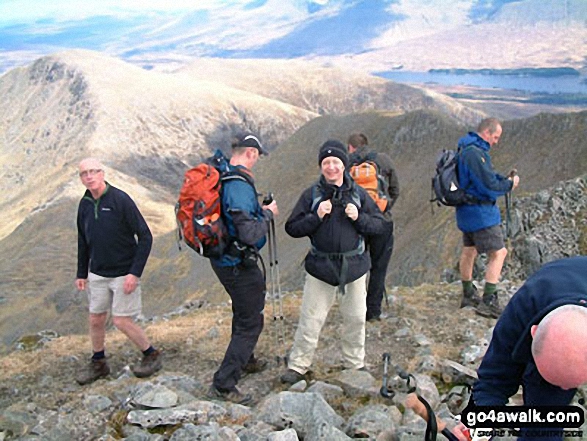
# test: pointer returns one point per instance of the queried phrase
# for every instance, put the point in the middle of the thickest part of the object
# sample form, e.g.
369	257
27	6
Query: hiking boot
291	377
255	366
149	365
470	298
234	396
489	307
95	370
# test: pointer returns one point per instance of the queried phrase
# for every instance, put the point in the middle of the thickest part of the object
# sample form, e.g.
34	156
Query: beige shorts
107	293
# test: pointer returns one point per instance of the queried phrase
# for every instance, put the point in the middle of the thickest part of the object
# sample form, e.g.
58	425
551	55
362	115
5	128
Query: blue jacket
245	220
106	243
557	283
477	177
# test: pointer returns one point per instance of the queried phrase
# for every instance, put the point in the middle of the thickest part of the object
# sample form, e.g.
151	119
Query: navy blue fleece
113	238
562	282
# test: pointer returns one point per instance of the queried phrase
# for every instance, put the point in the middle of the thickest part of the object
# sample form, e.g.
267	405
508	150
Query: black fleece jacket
106	235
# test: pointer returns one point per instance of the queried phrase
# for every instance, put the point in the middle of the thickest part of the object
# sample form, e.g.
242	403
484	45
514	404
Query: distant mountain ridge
367	35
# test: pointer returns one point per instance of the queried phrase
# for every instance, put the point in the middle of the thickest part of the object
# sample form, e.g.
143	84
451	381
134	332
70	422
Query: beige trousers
316	303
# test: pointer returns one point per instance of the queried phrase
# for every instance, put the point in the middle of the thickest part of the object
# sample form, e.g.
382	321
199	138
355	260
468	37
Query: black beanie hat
333	148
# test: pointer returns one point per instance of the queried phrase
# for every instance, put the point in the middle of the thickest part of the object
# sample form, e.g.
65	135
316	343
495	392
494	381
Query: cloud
27	11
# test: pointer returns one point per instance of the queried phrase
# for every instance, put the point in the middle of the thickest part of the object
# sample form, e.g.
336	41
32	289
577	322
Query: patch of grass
117	422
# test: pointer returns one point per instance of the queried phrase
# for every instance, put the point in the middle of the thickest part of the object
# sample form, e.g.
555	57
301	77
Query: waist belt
344	267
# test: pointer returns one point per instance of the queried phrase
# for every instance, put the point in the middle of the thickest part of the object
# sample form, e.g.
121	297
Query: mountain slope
323	89
78	103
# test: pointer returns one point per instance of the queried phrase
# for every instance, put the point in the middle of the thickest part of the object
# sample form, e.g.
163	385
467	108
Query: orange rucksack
198	209
365	173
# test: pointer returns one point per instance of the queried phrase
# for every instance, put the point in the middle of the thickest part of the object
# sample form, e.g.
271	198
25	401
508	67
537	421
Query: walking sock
148	351
490	290
99	355
467	286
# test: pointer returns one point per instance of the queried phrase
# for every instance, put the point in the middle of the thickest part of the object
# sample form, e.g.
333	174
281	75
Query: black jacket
106	235
335	235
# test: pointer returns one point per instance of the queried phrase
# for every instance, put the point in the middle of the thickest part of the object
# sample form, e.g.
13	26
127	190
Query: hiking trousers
246	287
380	250
317	300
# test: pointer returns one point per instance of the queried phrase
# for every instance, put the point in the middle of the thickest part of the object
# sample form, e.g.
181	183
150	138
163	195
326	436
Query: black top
335	233
106	235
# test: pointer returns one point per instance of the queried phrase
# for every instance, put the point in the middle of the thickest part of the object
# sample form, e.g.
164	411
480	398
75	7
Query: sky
27	11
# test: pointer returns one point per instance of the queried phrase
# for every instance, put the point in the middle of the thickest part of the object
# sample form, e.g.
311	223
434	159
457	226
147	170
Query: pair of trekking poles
275	292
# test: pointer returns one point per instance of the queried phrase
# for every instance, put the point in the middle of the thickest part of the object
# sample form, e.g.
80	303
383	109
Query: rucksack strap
317	194
355	158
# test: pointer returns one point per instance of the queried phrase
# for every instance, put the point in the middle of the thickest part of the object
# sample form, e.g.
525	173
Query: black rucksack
446	189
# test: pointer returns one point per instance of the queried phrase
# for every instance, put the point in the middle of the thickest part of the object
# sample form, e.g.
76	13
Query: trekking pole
508	213
280	318
278	328
385	390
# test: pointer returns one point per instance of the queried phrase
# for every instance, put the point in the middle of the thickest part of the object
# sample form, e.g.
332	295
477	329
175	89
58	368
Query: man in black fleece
335	214
110	263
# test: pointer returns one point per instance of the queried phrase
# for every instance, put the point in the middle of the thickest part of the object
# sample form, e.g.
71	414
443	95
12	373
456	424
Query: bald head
559	346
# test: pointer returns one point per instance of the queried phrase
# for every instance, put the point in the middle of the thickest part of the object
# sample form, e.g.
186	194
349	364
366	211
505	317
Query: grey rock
150	396
199	412
357	383
255	431
369	421
298	411
422	340
300	386
283	435
453	372
328	391
97	403
402	333
181	383
323	431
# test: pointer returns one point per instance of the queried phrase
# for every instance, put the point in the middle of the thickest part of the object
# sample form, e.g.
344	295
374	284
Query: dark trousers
246	288
538	392
380	250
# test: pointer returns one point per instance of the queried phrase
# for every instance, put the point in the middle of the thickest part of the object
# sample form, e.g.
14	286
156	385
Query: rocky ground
424	328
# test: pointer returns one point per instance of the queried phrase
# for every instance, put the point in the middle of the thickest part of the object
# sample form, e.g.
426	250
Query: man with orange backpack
247	225
375	173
